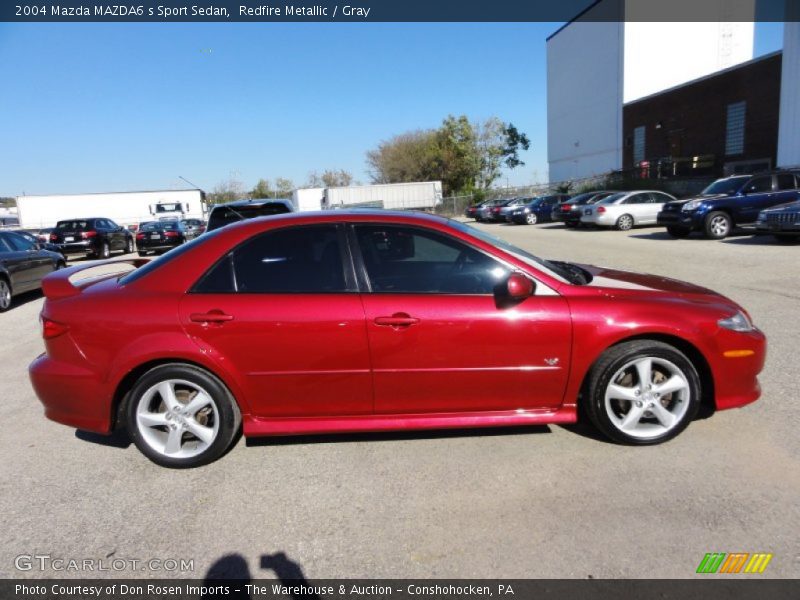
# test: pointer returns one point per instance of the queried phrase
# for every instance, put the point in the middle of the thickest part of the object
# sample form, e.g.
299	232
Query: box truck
418	195
125	208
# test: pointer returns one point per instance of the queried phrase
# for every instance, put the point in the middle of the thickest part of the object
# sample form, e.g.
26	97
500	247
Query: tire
60	265
718	225
531	219
571	224
678	232
105	251
162	411
142	253
624	223
129	246
5	295
610	402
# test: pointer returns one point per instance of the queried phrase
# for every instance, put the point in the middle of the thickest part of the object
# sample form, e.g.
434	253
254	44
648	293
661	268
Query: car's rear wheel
129	246
625	222
643	392
5	295
678	232
105	250
180	416
531	219
718	225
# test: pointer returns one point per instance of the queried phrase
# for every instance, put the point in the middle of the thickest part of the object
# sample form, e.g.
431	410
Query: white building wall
789	128
584	100
658	56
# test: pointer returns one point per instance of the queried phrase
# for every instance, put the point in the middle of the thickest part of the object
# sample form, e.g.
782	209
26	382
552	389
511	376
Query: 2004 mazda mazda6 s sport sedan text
365	321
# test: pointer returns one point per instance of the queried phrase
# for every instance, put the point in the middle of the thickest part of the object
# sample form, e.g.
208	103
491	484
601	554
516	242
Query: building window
734	129
638	144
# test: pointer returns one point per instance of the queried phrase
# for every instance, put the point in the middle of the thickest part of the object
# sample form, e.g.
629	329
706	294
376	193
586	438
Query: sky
88	107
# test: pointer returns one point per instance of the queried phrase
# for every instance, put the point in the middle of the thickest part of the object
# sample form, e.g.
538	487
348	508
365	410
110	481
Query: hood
787	207
679	203
626	280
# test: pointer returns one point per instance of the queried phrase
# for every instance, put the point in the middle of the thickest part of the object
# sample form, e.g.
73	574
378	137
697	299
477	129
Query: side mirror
519	287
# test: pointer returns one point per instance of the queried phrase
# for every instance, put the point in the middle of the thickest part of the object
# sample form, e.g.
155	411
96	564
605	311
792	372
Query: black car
23	265
782	221
97	237
570	212
160	236
37	239
728	203
233	212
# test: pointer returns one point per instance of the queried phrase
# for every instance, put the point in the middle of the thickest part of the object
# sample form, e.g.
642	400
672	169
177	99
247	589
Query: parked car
471	212
23	265
535	210
492	212
626	209
194	226
728	203
7	221
97	237
484	213
160	236
380	320
35	239
506	210
569	212
43	235
782	221
232	212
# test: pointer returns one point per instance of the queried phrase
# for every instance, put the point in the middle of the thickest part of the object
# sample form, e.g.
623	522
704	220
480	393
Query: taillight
53	237
601	209
139	236
497	210
566	207
52	329
171	234
88	234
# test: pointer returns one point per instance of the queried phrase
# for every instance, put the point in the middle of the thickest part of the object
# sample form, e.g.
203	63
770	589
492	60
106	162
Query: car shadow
25	298
118	439
759	240
395	436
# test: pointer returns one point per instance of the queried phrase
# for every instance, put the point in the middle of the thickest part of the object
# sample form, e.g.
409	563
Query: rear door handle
212	316
396	320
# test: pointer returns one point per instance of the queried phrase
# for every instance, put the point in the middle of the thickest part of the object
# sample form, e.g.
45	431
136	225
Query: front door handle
397	320
212	316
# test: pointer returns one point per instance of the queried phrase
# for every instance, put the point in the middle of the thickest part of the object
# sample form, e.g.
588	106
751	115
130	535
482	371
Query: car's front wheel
180	416
643	392
531	218
718	225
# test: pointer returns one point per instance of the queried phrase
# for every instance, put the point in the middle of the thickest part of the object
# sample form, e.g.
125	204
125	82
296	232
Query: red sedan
365	321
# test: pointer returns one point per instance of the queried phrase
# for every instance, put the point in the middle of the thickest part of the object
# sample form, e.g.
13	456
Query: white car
626	209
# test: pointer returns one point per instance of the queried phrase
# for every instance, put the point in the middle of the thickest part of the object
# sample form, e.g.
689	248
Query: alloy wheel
531	218
625	222
647	397
5	295
719	226
177	418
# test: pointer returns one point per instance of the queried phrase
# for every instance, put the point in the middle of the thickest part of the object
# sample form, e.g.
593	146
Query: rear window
168	226
73	225
224	215
166	258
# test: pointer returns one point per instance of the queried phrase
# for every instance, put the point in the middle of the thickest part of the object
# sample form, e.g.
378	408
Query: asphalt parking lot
535	502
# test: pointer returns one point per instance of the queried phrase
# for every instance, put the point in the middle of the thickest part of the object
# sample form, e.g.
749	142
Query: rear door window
786	181
759	184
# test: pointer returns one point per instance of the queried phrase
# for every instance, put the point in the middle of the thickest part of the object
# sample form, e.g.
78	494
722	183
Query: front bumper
778	228
71	395
736	377
676	219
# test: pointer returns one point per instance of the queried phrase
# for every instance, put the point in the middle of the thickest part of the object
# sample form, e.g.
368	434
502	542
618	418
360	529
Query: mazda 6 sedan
368	321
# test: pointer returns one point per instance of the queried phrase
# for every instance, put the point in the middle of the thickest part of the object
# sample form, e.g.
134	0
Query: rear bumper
156	246
83	247
604	220
71	395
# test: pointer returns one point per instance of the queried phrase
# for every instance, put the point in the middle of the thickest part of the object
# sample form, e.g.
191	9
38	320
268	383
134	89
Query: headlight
737	322
762	216
692	205
527	210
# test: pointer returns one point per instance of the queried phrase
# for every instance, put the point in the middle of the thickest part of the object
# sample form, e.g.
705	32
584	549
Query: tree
330	178
226	191
262	189
465	156
283	186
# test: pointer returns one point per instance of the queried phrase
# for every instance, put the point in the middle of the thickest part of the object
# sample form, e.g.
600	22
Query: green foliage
563	188
330	178
464	156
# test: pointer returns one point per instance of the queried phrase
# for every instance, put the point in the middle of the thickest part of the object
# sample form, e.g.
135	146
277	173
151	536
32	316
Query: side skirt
256	427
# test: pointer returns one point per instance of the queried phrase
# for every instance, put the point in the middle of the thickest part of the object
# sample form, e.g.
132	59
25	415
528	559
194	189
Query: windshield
563	272
729	185
224	215
166	258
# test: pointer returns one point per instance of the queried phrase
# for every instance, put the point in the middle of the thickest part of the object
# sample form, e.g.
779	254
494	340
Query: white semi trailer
125	208
396	196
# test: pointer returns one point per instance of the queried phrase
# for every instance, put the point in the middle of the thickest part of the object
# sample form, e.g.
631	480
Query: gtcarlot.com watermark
60	564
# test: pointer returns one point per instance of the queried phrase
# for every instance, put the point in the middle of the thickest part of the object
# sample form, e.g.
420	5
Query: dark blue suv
728	203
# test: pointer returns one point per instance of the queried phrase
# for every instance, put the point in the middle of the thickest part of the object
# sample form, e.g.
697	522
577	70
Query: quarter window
298	260
417	261
786	181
